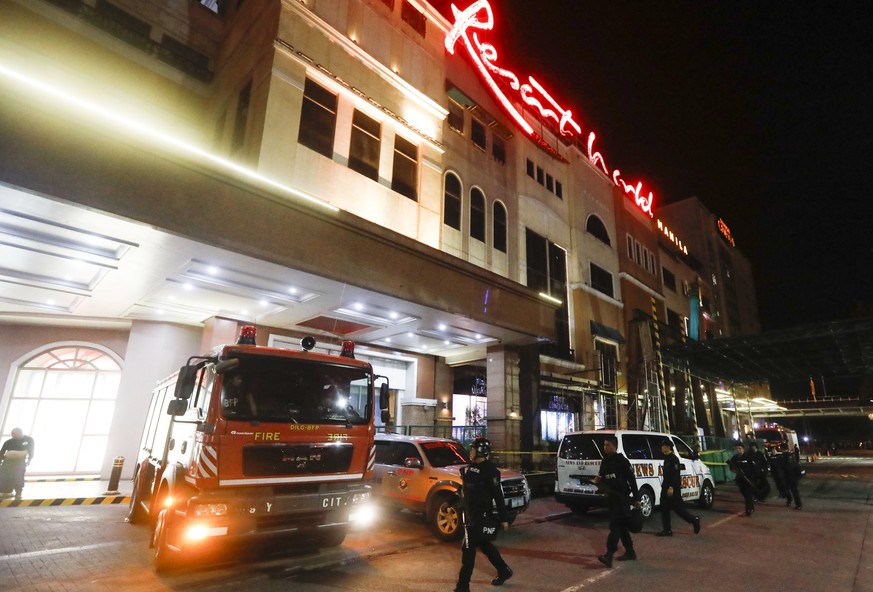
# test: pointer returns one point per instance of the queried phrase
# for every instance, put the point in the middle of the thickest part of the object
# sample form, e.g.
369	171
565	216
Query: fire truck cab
250	444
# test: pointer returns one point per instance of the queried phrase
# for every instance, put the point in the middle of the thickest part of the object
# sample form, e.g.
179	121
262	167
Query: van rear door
578	462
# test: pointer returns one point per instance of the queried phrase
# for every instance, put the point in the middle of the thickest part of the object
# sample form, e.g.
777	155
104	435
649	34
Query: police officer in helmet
480	492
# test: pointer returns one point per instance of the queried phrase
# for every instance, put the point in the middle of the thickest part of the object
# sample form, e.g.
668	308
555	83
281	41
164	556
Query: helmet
482	447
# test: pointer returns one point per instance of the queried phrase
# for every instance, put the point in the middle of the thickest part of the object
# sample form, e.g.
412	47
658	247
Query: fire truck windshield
289	390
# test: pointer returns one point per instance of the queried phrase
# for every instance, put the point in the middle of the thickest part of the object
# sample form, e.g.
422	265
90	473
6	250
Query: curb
73	501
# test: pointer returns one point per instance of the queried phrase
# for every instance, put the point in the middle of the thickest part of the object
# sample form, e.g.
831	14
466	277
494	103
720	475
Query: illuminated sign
478	17
672	237
726	232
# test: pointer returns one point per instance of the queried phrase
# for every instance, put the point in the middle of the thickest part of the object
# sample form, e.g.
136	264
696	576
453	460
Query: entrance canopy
833	349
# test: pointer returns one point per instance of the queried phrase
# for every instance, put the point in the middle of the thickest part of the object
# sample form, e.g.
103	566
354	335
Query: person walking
616	476
744	476
15	454
480	492
774	459
671	492
792	472
762	467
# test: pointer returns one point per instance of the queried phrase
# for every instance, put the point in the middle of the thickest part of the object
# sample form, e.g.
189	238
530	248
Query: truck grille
512	487
296	459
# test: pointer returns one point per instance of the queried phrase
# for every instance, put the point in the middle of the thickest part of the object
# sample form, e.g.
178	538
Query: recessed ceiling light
264	303
212	270
441	326
358	306
292	290
187	286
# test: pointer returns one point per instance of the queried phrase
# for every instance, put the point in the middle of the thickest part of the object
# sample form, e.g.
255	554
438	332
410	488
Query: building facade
350	170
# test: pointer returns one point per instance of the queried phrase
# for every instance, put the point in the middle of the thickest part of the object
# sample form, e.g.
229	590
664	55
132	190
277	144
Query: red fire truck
251	444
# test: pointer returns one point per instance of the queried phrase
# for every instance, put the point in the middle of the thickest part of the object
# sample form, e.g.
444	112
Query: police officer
762	467
671	492
744	476
480	492
792	472
616	475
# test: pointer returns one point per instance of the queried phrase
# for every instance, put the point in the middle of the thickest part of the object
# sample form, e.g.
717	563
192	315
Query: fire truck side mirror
185	383
386	416
177	407
384	397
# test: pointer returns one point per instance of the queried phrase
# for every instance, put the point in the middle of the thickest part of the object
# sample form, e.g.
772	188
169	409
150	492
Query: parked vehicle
251	443
423	474
580	453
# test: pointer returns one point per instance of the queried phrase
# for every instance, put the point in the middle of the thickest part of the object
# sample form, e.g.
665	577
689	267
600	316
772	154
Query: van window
682	449
636	447
655	445
384	453
582	447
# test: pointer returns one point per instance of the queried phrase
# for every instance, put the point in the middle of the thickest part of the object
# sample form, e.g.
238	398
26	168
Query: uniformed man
744	476
792	472
481	491
671	492
617	477
15	454
762	467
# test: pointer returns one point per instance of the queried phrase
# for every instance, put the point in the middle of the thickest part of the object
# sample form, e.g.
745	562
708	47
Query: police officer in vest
671	492
481	491
744	476
617	477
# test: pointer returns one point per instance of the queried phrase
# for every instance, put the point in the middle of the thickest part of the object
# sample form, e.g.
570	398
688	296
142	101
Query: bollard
115	477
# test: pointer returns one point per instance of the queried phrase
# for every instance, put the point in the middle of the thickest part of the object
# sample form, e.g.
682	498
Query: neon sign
672	237
726	231
479	17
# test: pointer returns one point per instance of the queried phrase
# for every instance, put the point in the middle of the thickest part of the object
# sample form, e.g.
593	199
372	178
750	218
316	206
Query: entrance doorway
64	398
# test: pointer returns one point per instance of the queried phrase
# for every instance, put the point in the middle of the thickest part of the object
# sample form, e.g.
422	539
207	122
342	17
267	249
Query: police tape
72	501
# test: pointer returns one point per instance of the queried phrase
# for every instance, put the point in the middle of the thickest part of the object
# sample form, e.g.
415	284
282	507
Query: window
498	149
674	320
638	258
318	119
499	227
364	149
630	247
608	361
413	18
550	183
477	214
601	280
646	258
559	189
636	446
65	399
530	168
540	174
669	279
456	117
242	115
405	177
652	266
452	202
477	133
597	229
547	273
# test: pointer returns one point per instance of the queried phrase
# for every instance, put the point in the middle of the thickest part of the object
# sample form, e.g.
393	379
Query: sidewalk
69	491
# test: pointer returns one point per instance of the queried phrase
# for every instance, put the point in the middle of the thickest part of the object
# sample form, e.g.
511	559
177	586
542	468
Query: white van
580	453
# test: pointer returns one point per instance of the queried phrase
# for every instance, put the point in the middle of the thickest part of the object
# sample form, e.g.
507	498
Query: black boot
605	559
502	575
629	555
460	588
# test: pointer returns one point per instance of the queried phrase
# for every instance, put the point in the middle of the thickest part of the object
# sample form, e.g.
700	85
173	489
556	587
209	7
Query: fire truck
249	444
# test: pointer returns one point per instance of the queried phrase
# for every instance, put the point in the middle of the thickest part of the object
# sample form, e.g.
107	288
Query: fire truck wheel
647	502
166	558
136	513
707	497
444	517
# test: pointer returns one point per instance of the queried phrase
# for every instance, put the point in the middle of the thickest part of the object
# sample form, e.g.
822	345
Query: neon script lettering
479	17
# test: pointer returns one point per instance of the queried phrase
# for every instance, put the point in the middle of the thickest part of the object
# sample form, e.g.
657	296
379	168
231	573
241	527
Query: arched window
452	202
597	229
499	222
64	398
477	214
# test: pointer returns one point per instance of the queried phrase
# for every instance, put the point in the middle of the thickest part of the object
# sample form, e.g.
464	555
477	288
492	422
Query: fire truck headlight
361	498
210	510
198	532
363	515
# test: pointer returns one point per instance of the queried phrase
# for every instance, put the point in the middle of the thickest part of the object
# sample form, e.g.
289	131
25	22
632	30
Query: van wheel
647	502
707	495
331	538
579	509
444	517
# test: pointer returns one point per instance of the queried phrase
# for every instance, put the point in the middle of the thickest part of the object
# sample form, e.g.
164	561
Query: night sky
763	110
